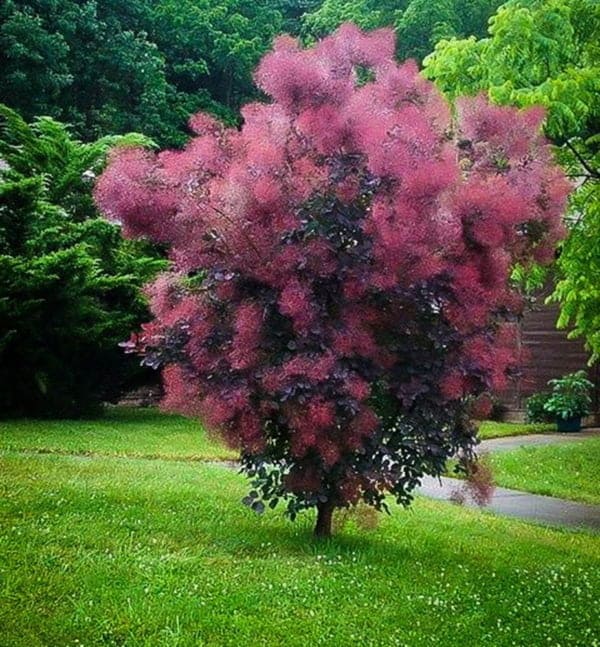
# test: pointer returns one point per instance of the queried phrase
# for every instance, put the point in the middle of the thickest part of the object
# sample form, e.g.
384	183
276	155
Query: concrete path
530	507
514	442
523	505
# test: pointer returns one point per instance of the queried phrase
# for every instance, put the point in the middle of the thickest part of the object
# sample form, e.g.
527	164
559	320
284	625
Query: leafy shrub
570	397
69	284
534	408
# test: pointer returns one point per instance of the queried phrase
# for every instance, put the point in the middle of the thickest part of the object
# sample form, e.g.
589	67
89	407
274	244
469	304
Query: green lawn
106	551
148	433
492	429
569	471
121	431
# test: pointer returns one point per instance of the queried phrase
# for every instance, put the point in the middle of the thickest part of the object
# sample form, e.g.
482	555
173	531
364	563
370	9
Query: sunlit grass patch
568	471
122	431
492	429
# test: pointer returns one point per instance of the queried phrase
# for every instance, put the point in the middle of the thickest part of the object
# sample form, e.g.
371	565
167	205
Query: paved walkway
523	505
531	507
514	442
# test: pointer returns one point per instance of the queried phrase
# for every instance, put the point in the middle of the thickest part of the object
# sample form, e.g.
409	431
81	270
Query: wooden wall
548	354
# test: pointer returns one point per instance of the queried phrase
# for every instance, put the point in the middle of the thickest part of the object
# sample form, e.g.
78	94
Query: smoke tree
339	284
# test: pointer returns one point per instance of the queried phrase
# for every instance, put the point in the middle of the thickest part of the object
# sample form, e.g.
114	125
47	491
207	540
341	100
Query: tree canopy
114	67
145	65
419	24
537	53
339	281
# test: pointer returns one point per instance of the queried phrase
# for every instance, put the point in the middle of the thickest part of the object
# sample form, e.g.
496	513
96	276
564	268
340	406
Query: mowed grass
568	471
106	551
121	431
492	429
149	433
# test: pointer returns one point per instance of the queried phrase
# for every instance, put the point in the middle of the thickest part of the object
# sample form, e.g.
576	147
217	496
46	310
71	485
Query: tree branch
591	171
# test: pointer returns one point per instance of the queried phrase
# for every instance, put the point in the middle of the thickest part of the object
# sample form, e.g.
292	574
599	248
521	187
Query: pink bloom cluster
346	224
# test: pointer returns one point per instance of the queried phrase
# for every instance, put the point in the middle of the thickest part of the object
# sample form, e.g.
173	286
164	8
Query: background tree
114	67
339	281
578	277
293	11
547	53
89	63
367	14
419	24
69	284
211	48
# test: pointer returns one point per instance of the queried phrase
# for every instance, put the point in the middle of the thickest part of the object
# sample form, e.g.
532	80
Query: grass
492	429
148	433
137	552
568	471
145	433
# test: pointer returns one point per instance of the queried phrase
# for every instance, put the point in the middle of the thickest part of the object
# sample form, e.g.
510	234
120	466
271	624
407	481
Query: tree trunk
324	519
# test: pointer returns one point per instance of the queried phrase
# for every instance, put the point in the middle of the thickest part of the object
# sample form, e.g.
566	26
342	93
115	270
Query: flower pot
568	425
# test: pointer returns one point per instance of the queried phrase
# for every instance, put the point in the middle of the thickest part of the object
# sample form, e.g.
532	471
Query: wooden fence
548	354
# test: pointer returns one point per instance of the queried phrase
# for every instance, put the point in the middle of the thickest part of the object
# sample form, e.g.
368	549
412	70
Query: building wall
548	354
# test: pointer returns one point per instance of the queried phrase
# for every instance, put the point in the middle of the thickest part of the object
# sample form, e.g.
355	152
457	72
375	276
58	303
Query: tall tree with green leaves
143	65
293	12
367	14
578	285
419	24
69	284
210	49
87	63
547	53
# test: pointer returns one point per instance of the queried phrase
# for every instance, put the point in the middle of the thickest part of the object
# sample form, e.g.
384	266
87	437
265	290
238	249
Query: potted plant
570	400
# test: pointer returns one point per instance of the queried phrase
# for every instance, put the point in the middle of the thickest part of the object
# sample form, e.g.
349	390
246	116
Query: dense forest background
79	77
107	66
